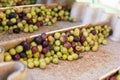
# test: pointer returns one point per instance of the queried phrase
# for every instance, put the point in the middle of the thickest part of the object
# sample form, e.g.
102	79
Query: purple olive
76	39
82	39
63	39
93	32
16	57
25	18
39	23
45	43
30	21
73	44
44	36
26	45
67	45
38	40
78	52
113	78
9	23
49	47
21	15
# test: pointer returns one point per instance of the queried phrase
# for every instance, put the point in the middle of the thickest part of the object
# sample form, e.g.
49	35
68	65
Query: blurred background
108	5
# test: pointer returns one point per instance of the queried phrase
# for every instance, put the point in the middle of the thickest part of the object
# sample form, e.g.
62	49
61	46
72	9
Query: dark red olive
0	20
59	18
45	50
16	57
